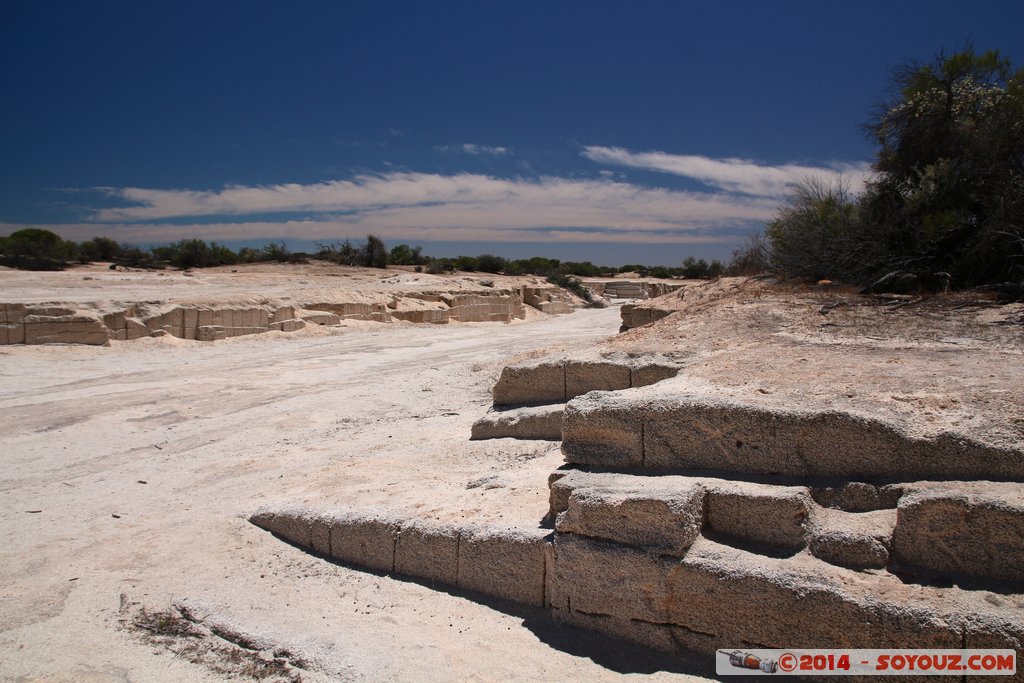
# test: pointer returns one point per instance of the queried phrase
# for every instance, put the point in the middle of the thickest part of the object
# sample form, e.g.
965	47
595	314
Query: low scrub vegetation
573	284
38	249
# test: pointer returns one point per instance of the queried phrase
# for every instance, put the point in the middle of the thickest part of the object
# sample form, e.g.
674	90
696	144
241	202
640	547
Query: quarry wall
97	324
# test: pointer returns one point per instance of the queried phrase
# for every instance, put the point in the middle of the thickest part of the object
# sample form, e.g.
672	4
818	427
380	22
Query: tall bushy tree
375	255
950	184
35	249
948	190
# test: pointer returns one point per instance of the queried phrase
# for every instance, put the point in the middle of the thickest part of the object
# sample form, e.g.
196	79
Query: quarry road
127	475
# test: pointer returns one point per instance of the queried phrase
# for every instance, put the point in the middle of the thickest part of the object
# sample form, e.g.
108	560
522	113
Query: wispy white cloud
328	230
433	200
475	150
732	175
429	207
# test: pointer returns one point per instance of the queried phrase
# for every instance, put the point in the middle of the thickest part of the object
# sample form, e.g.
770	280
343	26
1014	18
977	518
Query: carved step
748	514
540	422
696	599
718	594
556	380
963	529
503	562
656	430
858	540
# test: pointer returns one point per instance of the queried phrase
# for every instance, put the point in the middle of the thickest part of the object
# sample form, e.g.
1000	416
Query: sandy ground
951	362
96	286
129	471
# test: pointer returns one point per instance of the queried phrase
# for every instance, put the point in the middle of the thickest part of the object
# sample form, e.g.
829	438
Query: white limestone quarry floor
127	474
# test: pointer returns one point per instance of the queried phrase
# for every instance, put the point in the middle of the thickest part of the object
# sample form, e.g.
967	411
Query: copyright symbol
787	661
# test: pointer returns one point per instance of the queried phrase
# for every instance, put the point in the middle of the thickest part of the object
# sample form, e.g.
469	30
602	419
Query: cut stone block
594	434
114	321
430	553
857	540
742	597
993	632
597	577
664	637
291	524
281	314
65	329
320	534
554	307
637	316
561	484
435	316
175	321
971	530
857	496
135	328
321	317
155	322
288	325
531	384
540	422
365	541
504	563
47	310
660	520
11	313
711	434
645	375
758	513
210	333
583	377
13	333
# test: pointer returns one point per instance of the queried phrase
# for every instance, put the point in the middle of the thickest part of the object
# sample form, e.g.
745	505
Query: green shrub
467	263
404	255
195	253
818	234
489	263
35	249
98	249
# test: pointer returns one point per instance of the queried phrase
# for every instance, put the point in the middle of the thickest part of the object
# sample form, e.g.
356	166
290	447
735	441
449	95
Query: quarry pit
512	499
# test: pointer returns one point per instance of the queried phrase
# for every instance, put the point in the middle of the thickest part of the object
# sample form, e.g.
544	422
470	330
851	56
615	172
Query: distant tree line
946	201
38	249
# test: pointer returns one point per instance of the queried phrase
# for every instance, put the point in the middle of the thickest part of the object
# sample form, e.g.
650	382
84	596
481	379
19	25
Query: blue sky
606	131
